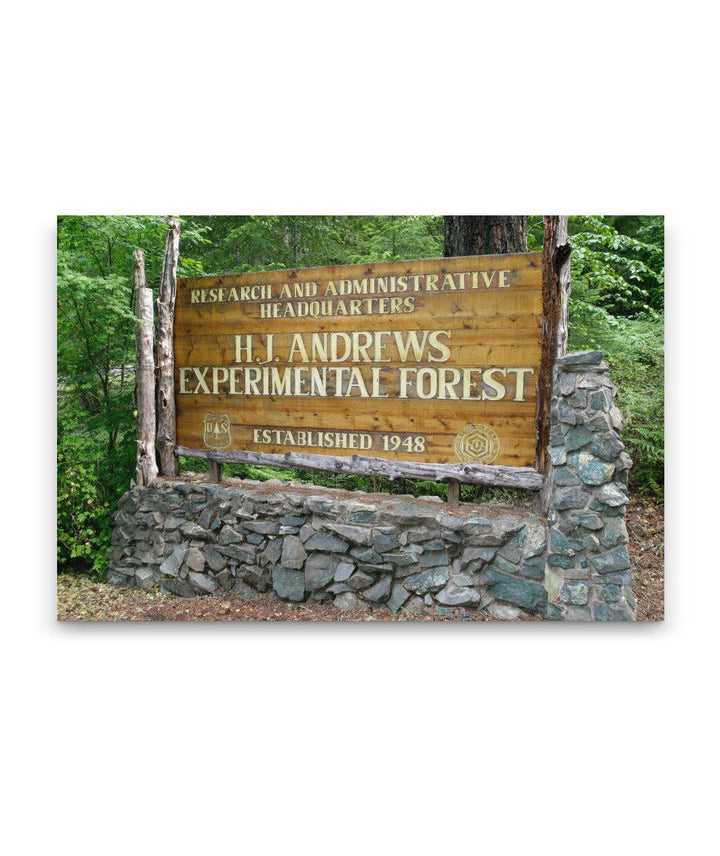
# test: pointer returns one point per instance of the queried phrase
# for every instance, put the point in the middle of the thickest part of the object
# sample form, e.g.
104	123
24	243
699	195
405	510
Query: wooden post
166	431
216	472
453	497
146	467
556	291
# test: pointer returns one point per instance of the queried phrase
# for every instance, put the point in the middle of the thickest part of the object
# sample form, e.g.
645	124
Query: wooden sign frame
555	292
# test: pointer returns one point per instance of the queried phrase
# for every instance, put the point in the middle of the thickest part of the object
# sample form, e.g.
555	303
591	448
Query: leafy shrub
84	518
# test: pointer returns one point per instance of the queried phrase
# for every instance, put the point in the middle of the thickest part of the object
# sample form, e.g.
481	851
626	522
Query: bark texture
501	476
166	420
146	466
484	235
556	293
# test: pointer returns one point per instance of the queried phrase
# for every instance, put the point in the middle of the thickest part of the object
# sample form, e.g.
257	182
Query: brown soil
83	599
646	529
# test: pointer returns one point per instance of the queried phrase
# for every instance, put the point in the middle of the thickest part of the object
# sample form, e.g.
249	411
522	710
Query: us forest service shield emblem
477	444
217	430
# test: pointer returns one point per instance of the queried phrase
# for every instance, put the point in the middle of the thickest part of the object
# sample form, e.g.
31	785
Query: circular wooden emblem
477	444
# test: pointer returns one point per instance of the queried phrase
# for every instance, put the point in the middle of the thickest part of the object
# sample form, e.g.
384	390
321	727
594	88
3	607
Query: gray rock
566	384
503	611
559	544
346	601
385	541
569	497
462	580
319	570
590	469
513	550
453	595
581	358
398	596
326	541
566	413
534	567
354	534
195	560
359	581
202	583
144	578
180	588
616	559
225	579
433	559
558	455
608	448
427	581
262	527
614	532
367	556
575	592
611	495
343	571
599	400
338	588
192	530
288	584
577	437
293	553
517	590
612	611
380	591
400	560
230	536
255	576
171	565
242	589
271	554
535	541
611	593
245	553
504	566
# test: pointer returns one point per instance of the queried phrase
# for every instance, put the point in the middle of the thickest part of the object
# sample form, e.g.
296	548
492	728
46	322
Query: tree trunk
485	235
166	430
146	467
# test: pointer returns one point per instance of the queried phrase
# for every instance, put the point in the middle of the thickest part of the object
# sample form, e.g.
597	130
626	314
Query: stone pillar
587	574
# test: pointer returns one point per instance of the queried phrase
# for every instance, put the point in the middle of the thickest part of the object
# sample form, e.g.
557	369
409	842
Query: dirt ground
82	599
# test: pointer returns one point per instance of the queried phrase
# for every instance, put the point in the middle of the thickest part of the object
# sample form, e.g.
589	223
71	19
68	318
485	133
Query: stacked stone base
312	544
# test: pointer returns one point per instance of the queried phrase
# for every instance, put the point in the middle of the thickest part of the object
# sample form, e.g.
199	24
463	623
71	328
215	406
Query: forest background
616	305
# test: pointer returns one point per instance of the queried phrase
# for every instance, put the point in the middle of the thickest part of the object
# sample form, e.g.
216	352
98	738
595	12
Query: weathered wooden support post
453	496
556	292
166	422
216	472
146	466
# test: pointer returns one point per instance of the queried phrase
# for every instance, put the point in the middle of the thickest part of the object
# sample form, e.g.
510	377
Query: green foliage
625	273
634	349
84	519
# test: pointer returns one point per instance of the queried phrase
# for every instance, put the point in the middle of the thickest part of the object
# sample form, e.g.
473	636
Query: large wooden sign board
432	361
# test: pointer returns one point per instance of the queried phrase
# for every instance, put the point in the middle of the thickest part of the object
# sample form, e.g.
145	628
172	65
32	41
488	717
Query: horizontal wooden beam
359	465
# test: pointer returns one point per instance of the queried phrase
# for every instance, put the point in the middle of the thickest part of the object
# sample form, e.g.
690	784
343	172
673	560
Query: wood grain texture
478	474
488	315
166	415
555	295
146	466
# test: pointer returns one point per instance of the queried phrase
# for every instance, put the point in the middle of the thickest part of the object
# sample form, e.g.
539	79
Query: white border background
320	739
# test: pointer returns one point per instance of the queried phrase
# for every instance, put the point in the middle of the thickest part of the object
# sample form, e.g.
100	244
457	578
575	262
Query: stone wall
303	542
588	566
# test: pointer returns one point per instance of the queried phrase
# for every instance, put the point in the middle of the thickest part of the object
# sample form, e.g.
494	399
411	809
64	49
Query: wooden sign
433	361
